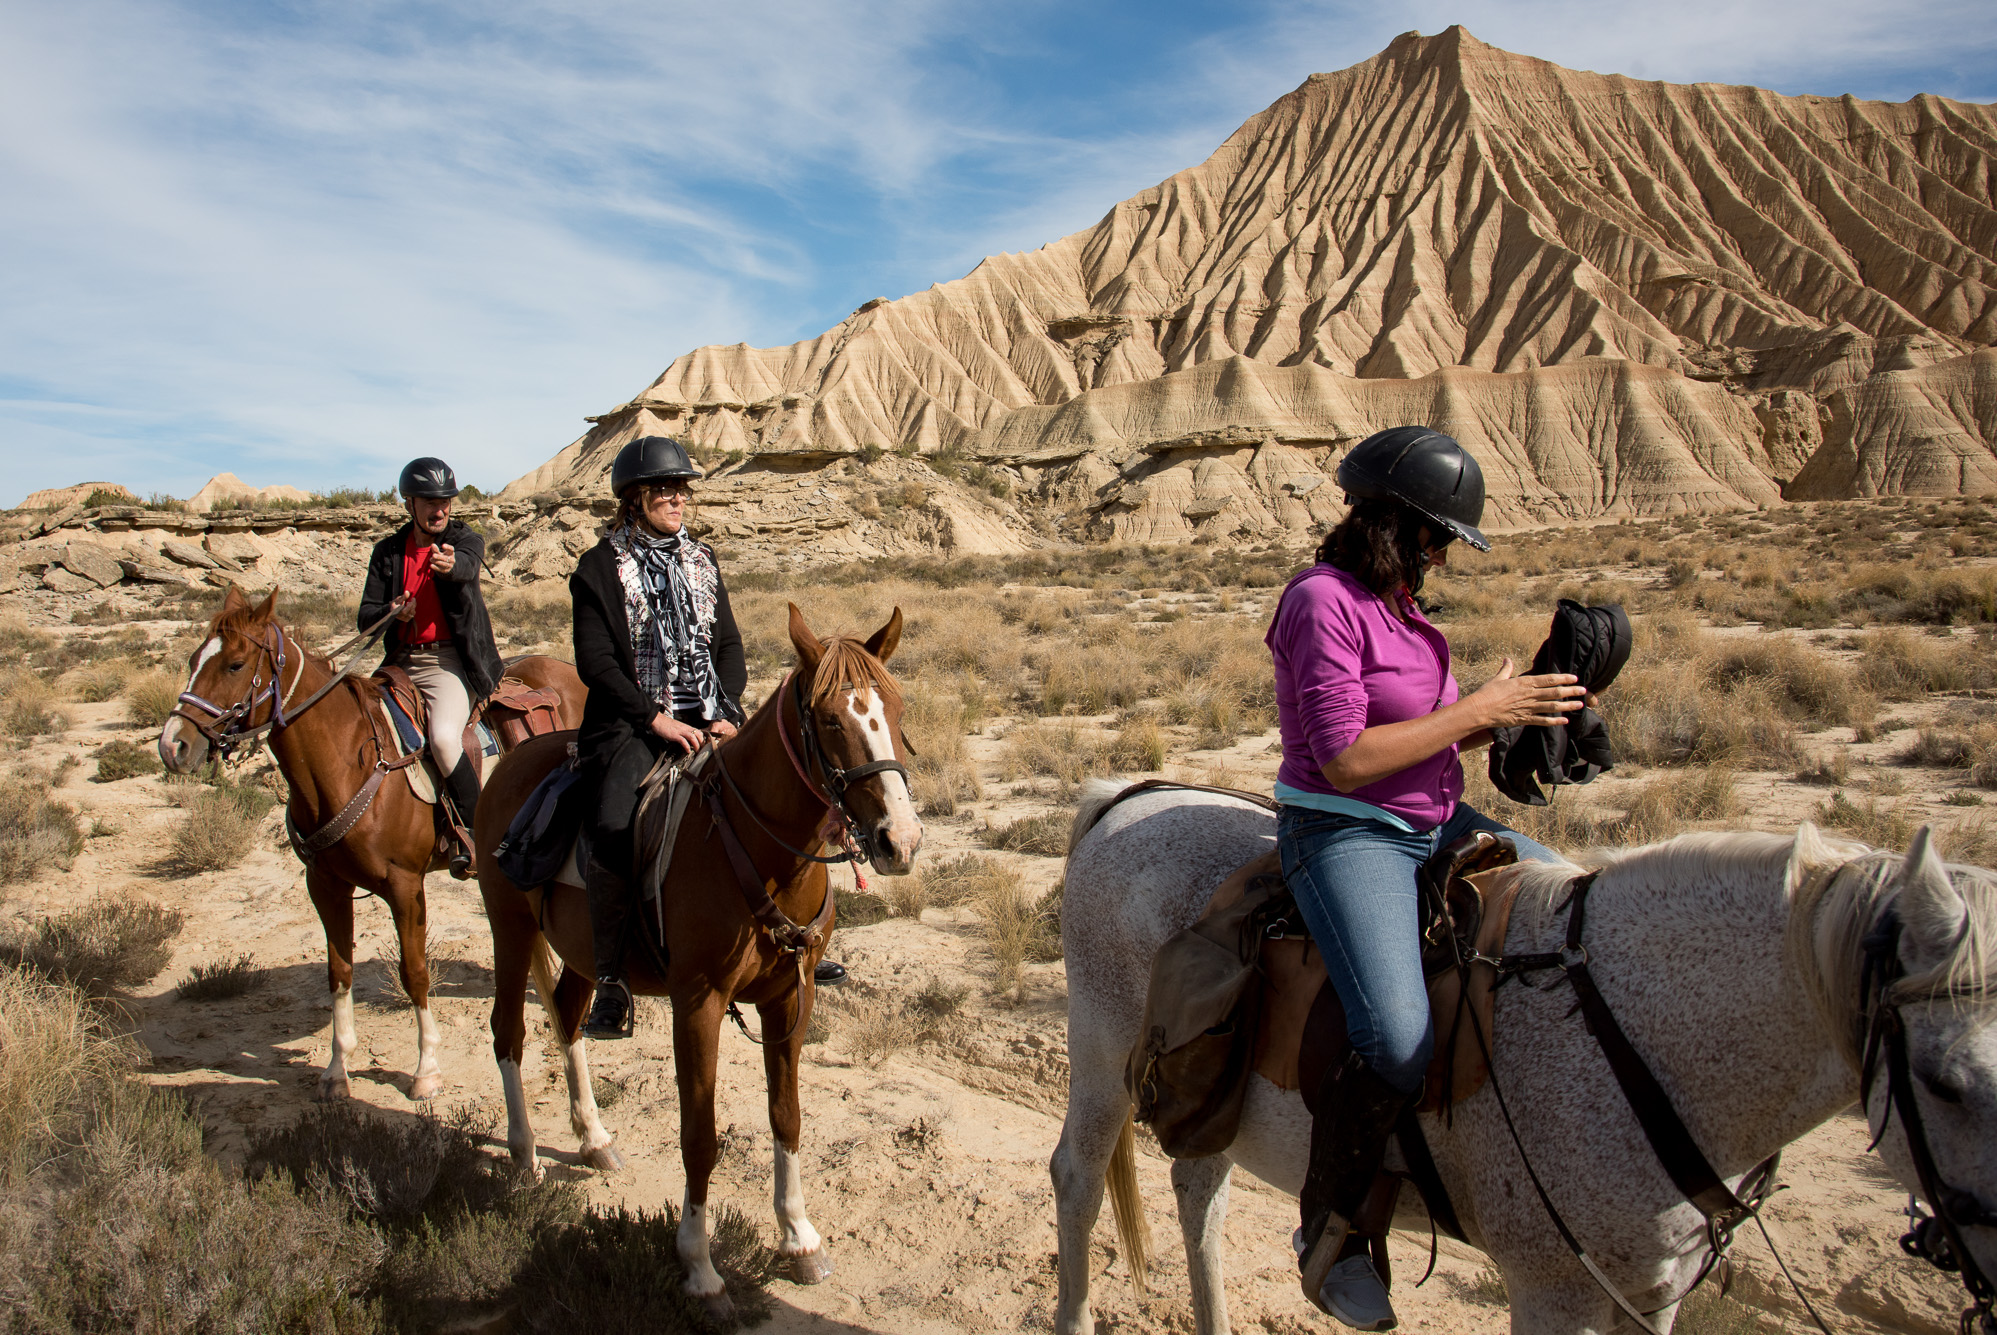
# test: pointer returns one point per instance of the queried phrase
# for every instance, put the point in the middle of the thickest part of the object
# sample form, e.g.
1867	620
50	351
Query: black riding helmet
429	478
1424	470
651	459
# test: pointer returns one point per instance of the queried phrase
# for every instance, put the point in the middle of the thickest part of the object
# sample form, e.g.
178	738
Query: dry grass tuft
28	711
906	896
105	945
95	682
1062	751
150	697
960	880
1045	835
1867	821
36	831
126	760
52	1054
219	982
1664	806
1901	665
873	1029
1017	928
217	834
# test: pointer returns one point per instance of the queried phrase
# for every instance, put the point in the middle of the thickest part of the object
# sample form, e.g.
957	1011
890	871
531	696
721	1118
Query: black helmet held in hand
651	459
1424	470
429	478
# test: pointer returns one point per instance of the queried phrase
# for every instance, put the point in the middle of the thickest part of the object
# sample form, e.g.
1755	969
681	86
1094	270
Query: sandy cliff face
1625	297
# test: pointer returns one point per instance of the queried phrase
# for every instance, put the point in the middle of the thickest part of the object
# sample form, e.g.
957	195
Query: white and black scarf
672	589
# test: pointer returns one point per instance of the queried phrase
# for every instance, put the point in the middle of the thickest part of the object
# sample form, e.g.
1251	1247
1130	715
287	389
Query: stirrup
613	1013
463	862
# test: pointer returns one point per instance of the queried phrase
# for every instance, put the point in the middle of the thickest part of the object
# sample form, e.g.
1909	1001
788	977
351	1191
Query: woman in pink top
1370	786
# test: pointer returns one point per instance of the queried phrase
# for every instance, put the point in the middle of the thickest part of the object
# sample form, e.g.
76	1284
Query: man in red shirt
427	572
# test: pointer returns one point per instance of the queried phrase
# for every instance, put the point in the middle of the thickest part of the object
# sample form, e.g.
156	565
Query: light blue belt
1339	805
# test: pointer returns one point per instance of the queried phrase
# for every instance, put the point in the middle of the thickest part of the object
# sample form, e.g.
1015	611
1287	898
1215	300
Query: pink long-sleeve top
1344	663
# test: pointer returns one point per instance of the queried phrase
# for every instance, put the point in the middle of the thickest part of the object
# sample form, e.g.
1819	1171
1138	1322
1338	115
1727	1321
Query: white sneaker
1353	1294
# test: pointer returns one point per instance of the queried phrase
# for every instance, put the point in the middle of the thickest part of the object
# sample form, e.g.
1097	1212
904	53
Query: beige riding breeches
438	674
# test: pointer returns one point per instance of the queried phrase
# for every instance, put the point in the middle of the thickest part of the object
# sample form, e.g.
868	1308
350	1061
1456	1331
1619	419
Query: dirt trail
927	1173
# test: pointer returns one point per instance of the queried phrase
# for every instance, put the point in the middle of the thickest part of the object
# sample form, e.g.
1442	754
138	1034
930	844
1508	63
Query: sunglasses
671	490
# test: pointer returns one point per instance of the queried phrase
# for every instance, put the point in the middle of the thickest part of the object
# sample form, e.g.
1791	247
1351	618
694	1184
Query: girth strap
762	907
334	830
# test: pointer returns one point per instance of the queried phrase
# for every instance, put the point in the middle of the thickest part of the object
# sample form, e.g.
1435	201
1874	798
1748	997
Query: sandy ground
927	1172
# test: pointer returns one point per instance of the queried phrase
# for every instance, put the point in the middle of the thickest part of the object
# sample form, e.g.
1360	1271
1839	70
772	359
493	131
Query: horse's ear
1930	906
881	644
809	650
1808	853
266	607
233	600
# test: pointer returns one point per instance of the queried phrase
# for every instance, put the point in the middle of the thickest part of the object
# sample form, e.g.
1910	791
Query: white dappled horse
1732	962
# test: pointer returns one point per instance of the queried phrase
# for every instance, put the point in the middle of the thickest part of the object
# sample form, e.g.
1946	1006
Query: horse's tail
1097	794
546	967
1128	1206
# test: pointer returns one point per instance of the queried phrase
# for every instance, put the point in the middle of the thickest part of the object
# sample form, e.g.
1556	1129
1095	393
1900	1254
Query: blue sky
305	241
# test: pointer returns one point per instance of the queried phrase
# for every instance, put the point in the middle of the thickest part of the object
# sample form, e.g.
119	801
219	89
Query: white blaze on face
171	736
208	651
903	825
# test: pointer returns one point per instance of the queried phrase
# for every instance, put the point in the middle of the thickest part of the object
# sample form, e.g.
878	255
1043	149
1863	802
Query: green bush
126	760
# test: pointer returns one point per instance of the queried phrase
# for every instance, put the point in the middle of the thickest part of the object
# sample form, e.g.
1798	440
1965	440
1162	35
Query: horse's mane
1836	906
1837	889
845	663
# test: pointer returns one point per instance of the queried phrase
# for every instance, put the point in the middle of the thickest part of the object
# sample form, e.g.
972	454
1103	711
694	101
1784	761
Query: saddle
1244	991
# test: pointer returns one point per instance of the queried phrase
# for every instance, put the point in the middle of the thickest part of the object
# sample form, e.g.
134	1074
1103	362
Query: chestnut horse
782	784
250	676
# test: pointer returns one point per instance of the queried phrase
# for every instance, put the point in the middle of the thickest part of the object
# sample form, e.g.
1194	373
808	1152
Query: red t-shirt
428	626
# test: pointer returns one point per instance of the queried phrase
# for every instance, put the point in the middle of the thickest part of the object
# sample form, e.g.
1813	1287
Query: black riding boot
611	1014
1354	1113
463	784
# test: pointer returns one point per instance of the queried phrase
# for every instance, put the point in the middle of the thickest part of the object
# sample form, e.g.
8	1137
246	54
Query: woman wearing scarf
656	645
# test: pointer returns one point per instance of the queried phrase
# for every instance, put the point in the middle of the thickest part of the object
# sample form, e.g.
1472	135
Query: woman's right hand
676	732
1506	701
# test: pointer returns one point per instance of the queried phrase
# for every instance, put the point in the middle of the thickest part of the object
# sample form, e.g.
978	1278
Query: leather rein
830	788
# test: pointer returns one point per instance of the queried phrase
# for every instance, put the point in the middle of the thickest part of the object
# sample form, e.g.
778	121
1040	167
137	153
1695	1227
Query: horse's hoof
333	1091
526	1168
811	1267
604	1159
720	1308
426	1087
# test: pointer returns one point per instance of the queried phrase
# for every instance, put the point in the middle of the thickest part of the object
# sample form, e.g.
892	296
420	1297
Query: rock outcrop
57	498
1625	297
228	487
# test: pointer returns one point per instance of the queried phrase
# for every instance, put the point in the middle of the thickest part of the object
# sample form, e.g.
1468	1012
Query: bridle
228	727
1935	1238
840	826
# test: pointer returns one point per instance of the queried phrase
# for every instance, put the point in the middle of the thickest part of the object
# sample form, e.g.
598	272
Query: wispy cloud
304	242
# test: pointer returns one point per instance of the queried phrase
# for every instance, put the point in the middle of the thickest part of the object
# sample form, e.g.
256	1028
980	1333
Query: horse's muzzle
892	852
182	748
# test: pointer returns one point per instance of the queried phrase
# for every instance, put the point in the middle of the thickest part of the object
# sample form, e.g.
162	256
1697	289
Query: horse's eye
236	666
1943	1087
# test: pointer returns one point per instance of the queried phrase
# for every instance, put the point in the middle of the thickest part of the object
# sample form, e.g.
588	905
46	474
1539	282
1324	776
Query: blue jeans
1354	882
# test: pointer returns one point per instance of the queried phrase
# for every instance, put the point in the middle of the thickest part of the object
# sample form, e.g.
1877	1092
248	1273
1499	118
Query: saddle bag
517	711
538	840
1189	1072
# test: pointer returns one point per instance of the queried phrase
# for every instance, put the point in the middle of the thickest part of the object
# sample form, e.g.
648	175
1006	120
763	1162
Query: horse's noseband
227	728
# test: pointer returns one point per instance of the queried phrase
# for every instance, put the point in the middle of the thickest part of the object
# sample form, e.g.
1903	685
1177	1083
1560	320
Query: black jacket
457	592
618	709
1592	643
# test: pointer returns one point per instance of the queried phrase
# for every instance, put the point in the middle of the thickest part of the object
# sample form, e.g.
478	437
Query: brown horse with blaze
819	765
250	677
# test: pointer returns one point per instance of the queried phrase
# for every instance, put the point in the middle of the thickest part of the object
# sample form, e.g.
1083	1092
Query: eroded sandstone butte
1626	297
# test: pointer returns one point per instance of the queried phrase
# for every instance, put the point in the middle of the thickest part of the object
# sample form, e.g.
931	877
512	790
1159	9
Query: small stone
189	555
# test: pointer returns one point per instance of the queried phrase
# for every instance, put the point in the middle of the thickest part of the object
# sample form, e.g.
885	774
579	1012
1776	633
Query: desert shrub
906	896
150	697
95	683
107	944
126	760
963	879
1867	821
1831	769
1062	751
873	1029
217	834
1477	645
219	982
538	614
1139	746
939	786
939	999
123	1225
1016	930
36	831
1658	715
1665	805
28	708
619	1273
857	908
1092	680
1806	685
1900	665
1045	835
1973	839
